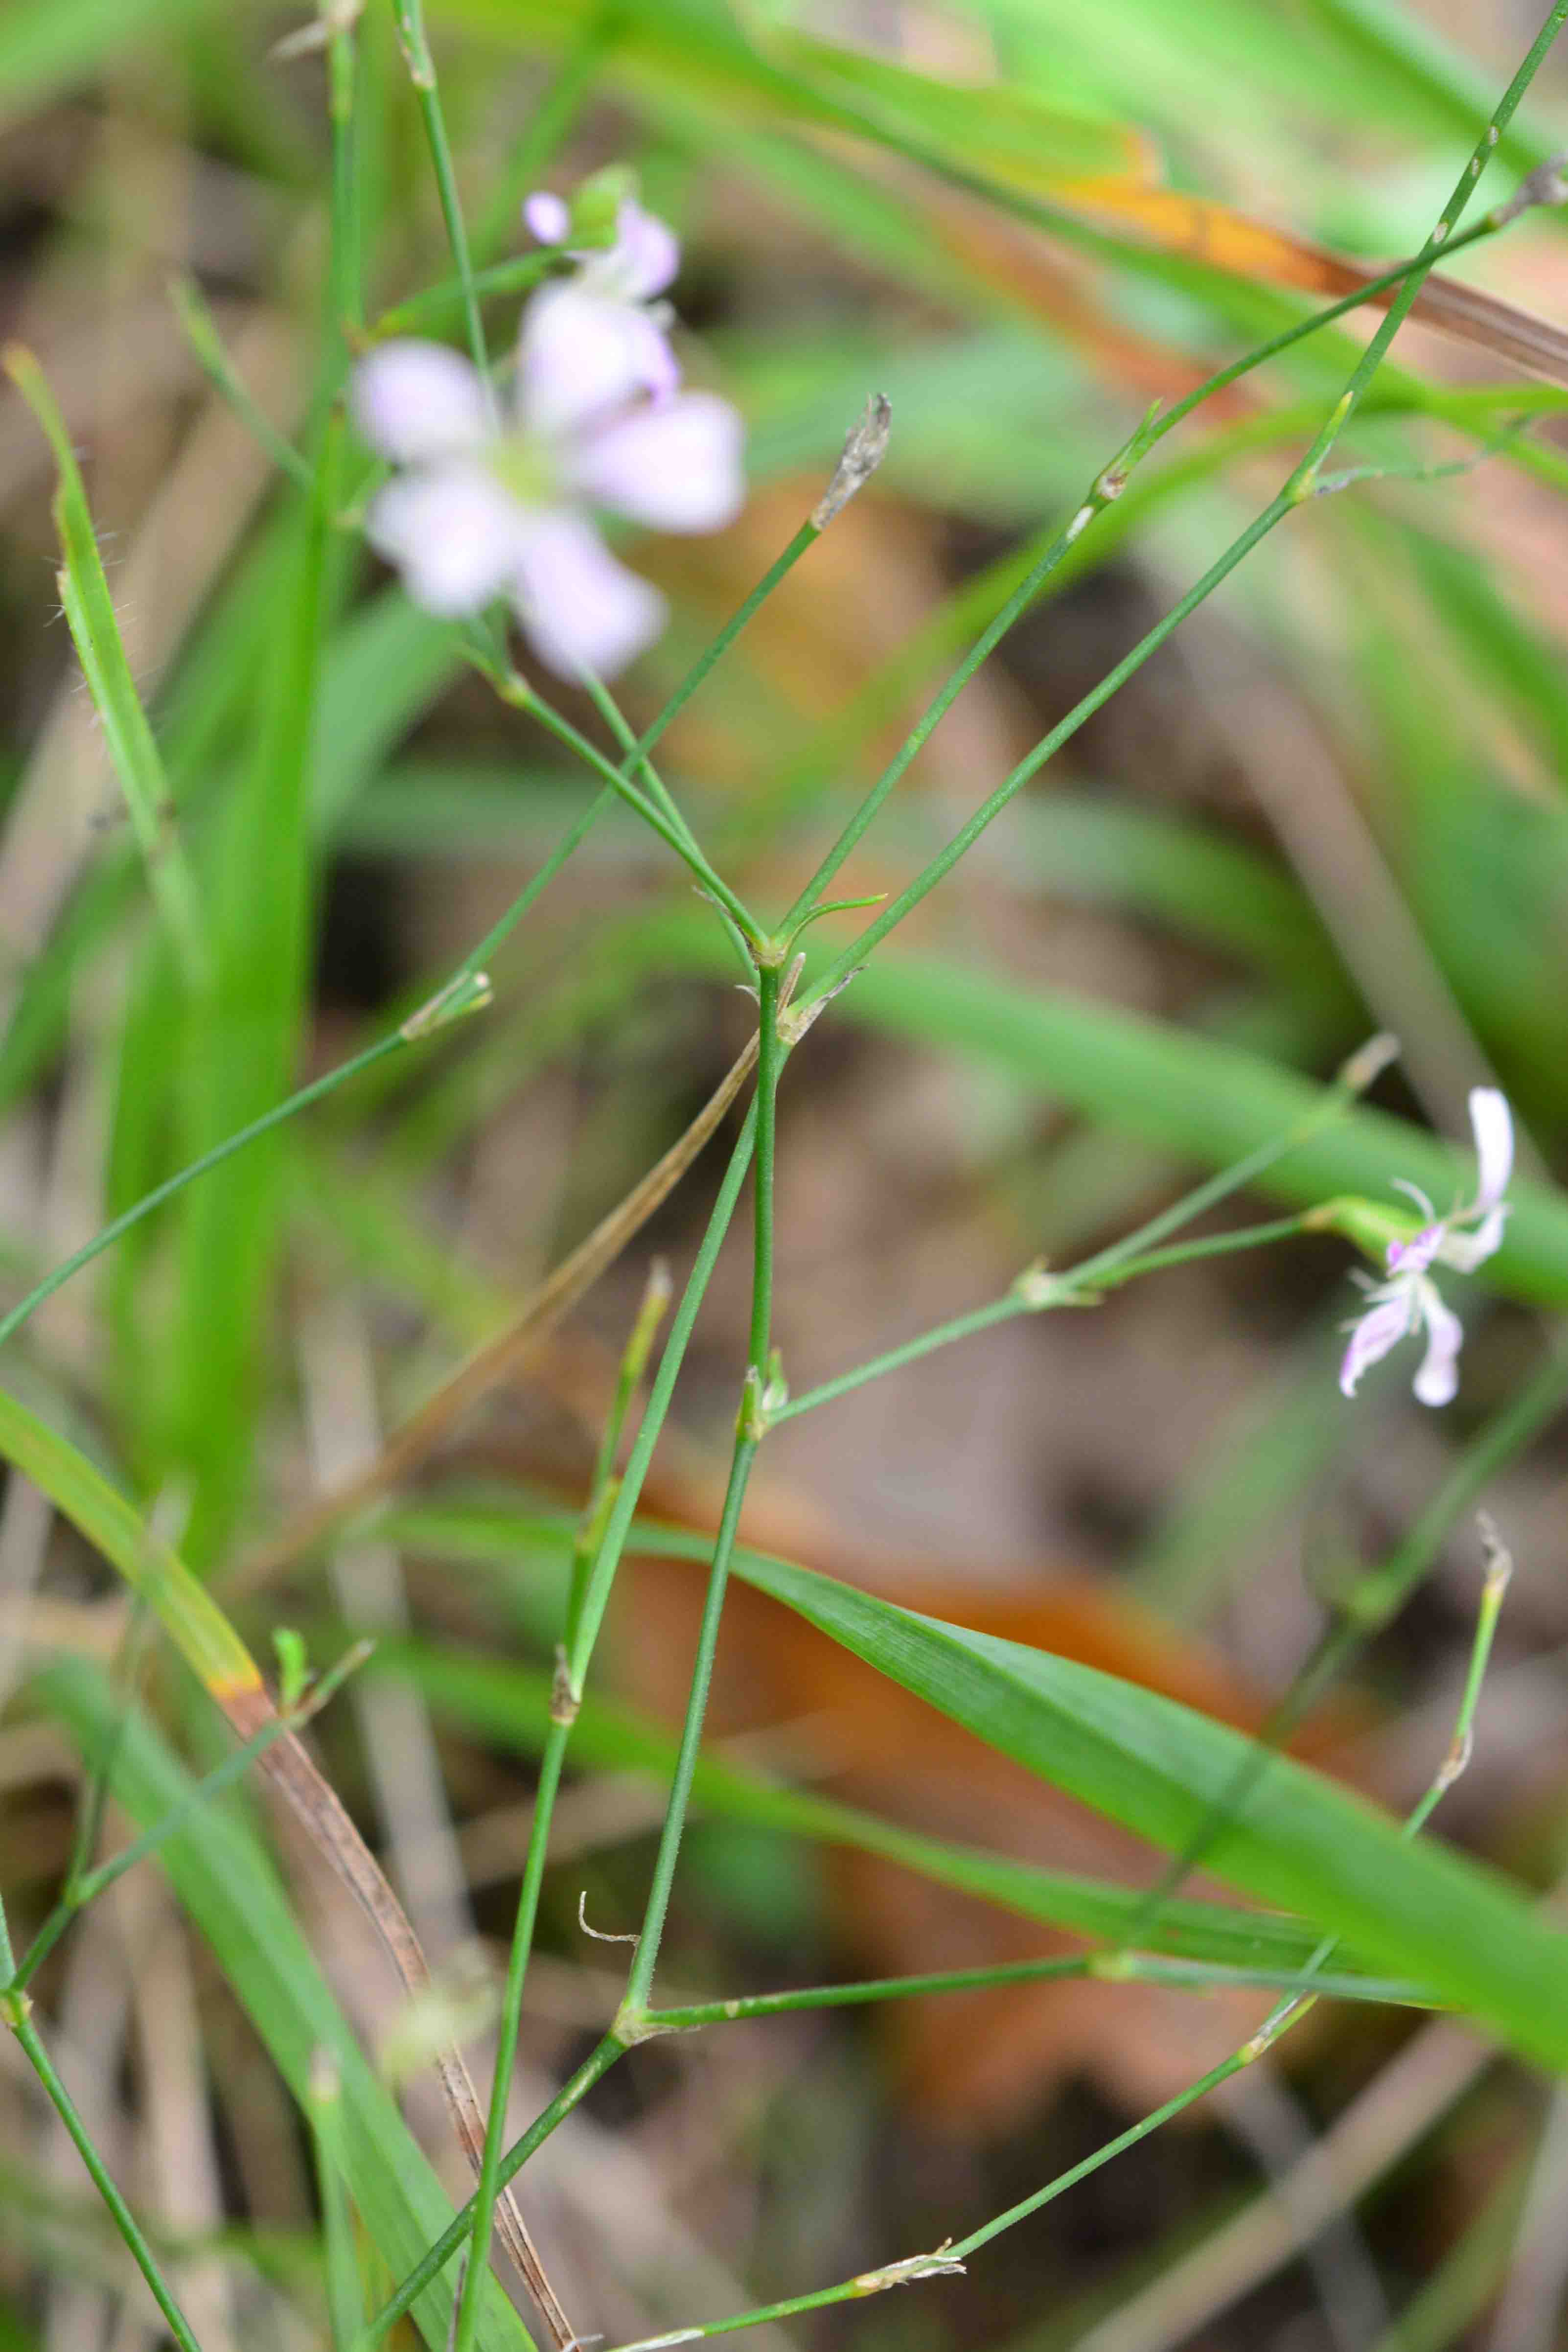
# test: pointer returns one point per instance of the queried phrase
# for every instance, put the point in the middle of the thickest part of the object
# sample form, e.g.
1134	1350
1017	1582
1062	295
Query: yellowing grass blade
206	1640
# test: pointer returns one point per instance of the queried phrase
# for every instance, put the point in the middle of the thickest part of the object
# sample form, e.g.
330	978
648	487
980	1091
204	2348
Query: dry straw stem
319	1809
547	1307
230	1674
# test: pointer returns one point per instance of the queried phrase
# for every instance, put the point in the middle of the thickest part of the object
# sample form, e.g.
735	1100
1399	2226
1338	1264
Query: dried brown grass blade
321	1813
1007	254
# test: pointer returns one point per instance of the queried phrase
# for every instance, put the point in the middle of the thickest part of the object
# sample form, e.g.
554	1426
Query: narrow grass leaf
1292	1839
241	1049
184	1607
95	632
228	1887
510	1706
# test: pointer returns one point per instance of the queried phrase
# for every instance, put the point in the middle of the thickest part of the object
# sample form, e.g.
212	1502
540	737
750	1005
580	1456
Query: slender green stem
563	1712
520	696
1102	2156
1100	496
751	1425
1138	1966
1297	487
1469	409
458	995
717	647
87	1889
583	1633
1500	1567
594	1583
1364	1611
436	2257
518	276
938	868
1106	486
1379	1596
633	1362
202	335
410	16
501	931
15	2011
770	1063
711	654
345	291
645	1958
1361	1612
1033	1296
893	1359
488	2187
1036	1289
659	792
806	537
1364	1066
1246	1237
642	767
109	1233
949	2256
1225	377
601	1576
602	1486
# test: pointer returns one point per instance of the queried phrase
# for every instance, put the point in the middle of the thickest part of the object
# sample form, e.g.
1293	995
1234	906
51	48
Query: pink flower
1409	1300
483	508
608	301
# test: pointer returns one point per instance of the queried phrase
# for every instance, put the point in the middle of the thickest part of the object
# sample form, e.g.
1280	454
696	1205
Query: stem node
632	2025
565	1697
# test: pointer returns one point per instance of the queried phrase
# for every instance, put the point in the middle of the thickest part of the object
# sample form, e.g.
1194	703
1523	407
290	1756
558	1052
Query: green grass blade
242	1045
224	1881
1296	1839
45	44
702	55
510	1706
186	1611
95	632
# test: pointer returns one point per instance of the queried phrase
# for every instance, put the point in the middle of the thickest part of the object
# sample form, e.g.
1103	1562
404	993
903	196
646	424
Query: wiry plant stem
1297	487
16	2012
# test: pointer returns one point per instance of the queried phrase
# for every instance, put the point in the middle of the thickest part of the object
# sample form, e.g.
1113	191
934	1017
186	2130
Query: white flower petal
1493	1125
1467	1251
1438	1377
644	255
546	216
582	609
454	534
676	467
1416	1255
1373	1335
413	401
583	358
